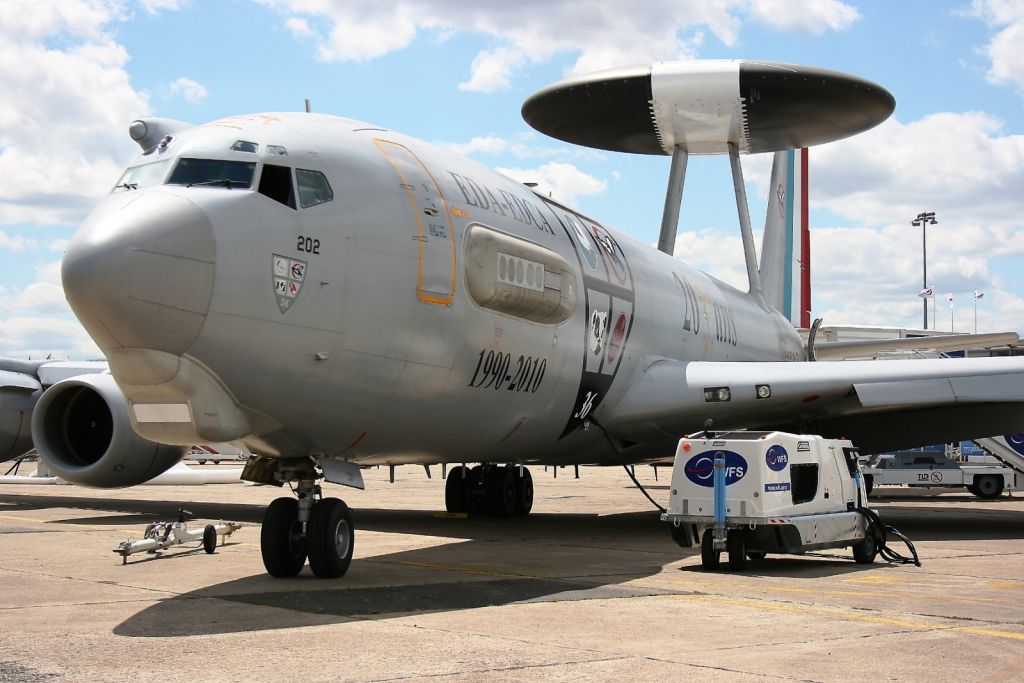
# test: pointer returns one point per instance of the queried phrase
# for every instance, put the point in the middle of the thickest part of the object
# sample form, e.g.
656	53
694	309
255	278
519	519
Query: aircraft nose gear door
436	282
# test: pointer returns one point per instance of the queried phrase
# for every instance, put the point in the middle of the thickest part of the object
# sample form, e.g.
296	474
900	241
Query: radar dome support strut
673	200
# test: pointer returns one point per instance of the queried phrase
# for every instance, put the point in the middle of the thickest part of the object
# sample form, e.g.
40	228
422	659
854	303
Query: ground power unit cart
754	493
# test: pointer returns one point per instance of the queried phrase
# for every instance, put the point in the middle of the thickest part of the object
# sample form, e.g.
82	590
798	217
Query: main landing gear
497	491
312	526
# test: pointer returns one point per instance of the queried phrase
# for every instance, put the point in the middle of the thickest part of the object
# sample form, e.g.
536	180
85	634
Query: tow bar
161	535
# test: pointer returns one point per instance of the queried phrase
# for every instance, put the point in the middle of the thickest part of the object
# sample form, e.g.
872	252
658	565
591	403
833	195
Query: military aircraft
333	294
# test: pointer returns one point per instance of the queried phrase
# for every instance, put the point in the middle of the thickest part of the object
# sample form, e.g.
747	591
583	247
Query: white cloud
299	27
191	91
814	17
522	146
66	105
155	6
23	336
603	33
1004	49
16	242
562	181
959	165
491	70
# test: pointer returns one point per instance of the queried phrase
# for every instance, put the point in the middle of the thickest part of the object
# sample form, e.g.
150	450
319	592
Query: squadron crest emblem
289	274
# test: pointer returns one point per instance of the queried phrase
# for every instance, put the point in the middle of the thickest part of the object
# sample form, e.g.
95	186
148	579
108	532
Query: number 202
309	245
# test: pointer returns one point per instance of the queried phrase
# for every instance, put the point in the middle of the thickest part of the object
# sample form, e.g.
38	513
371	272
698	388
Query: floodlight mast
924	219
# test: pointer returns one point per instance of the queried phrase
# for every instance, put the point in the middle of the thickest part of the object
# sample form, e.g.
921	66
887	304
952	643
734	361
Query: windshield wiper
128	186
226	182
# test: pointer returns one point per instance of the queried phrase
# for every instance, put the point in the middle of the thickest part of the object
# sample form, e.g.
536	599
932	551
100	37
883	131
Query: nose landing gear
320	529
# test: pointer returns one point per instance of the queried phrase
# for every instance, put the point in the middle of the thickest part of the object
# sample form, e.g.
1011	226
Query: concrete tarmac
588	587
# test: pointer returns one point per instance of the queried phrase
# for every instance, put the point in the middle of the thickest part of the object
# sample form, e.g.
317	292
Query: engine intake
83	433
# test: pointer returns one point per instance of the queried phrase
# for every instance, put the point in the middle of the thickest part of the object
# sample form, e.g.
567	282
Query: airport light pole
924	220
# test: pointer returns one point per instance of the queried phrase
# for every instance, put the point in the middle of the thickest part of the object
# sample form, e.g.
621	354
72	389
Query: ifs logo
700	469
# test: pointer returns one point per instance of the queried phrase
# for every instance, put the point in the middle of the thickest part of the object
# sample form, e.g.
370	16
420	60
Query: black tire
737	547
500	483
330	539
988	486
756	555
869	483
455	491
710	558
201	462
209	539
524	491
973	489
476	492
681	535
281	541
864	552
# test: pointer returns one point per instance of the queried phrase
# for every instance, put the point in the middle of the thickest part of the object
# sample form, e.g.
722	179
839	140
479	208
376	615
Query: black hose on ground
882	532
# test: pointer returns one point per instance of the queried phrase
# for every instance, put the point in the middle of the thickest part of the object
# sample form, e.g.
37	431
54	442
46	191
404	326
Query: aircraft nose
139	272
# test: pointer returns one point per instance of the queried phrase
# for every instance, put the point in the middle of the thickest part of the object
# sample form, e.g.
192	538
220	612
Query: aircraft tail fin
785	267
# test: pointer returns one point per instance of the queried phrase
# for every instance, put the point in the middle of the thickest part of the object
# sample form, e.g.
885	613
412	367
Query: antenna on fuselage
309	107
708	107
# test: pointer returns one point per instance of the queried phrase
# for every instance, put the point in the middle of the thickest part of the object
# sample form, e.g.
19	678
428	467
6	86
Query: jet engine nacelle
83	433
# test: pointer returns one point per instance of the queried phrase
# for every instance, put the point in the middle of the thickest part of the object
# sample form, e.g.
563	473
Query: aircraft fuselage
430	310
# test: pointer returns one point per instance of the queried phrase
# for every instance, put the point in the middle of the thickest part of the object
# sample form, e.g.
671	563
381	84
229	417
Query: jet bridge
1008	449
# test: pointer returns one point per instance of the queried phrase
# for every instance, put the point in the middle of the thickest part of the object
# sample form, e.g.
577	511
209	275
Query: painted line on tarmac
865	618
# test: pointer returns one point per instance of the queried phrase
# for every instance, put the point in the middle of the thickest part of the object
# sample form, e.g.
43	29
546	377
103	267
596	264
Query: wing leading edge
880	405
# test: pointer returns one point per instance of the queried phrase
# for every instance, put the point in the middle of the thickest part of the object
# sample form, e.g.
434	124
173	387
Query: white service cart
754	493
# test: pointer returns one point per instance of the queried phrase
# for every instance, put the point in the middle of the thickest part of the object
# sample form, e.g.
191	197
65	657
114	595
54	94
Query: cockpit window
276	183
245	146
313	188
142	176
213	172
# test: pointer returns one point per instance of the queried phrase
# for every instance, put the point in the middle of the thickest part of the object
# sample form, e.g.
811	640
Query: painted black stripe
790	106
603	112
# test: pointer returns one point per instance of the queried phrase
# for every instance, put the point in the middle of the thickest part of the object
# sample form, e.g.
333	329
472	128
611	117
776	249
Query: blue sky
75	73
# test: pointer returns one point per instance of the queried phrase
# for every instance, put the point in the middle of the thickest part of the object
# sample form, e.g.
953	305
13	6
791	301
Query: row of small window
275	181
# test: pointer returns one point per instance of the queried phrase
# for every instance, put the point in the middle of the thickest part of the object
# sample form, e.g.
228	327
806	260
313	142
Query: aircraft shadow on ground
594	557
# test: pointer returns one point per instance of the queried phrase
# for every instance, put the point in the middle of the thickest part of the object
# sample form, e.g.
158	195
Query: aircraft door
435	232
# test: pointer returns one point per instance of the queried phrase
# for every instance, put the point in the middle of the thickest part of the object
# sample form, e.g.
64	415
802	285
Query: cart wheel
988	486
737	548
756	555
209	539
709	557
681	535
865	551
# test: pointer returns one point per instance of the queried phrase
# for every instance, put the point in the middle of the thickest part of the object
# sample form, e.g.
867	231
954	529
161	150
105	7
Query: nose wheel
321	530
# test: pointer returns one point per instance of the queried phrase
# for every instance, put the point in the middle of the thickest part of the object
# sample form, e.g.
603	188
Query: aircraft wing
879	405
947	342
18	381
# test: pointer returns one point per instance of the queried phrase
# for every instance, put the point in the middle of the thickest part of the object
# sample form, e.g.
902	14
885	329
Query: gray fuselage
431	310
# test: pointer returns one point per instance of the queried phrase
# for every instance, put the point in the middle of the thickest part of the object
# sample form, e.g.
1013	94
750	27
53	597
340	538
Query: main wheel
524	491
330	539
865	551
500	483
988	486
737	547
455	491
281	541
709	557
476	491
209	539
